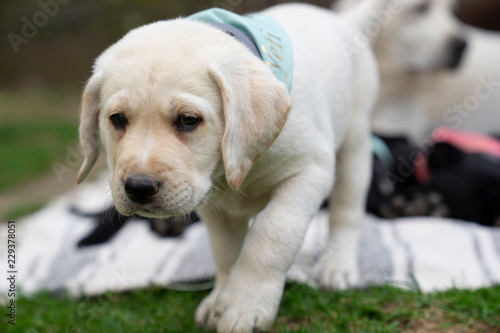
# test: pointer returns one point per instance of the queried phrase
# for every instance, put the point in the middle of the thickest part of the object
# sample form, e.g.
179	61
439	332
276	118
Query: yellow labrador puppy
192	119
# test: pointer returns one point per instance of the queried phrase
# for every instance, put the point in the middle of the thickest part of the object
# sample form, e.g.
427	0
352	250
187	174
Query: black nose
457	46
141	188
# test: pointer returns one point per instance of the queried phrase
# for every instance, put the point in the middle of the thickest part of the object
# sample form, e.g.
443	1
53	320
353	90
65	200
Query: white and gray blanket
424	253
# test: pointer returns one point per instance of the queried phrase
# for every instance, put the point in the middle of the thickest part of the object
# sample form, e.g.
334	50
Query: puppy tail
362	14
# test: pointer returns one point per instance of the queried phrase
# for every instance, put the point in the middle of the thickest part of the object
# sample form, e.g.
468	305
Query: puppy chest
238	203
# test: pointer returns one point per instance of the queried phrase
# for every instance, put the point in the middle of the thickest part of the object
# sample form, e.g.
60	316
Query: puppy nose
141	188
458	46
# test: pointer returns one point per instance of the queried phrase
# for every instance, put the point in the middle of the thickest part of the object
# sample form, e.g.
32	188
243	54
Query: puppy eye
187	123
118	120
422	7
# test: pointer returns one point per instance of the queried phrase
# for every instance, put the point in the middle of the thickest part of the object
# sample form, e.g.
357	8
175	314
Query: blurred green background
62	50
47	49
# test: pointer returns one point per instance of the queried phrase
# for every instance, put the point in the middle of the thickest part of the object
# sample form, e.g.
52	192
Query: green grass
28	148
36	128
381	309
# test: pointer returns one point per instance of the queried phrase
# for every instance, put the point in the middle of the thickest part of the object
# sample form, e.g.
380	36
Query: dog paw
243	316
243	305
204	315
338	273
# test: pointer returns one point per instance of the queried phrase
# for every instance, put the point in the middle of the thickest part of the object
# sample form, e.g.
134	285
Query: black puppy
109	222
457	175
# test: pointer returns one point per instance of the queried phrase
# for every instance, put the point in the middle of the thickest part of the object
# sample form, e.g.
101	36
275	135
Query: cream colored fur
259	152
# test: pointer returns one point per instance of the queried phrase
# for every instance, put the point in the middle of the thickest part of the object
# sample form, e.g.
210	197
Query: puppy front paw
242	316
204	315
245	306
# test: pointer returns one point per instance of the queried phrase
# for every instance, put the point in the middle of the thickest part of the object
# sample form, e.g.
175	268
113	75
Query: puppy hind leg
347	205
352	178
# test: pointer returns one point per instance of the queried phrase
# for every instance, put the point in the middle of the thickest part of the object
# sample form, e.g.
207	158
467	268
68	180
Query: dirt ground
41	189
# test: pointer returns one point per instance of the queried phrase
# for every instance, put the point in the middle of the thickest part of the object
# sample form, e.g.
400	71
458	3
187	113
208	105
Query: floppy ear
89	125
256	106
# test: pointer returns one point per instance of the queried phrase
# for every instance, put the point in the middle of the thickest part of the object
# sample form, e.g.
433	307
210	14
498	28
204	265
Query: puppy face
427	35
163	143
178	105
415	35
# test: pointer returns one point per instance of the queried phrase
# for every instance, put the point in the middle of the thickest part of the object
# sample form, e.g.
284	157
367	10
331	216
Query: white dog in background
434	69
191	120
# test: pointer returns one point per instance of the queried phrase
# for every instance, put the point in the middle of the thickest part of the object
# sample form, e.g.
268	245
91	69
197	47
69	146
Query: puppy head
414	35
178	105
428	36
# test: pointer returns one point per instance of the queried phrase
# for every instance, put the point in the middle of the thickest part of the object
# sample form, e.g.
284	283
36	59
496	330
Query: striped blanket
423	253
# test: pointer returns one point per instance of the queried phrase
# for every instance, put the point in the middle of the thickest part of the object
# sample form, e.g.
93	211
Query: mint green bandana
269	37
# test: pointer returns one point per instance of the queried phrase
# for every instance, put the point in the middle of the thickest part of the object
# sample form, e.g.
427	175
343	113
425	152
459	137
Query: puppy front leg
253	290
226	238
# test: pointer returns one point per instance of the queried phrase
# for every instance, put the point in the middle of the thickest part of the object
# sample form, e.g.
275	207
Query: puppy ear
256	106
89	125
